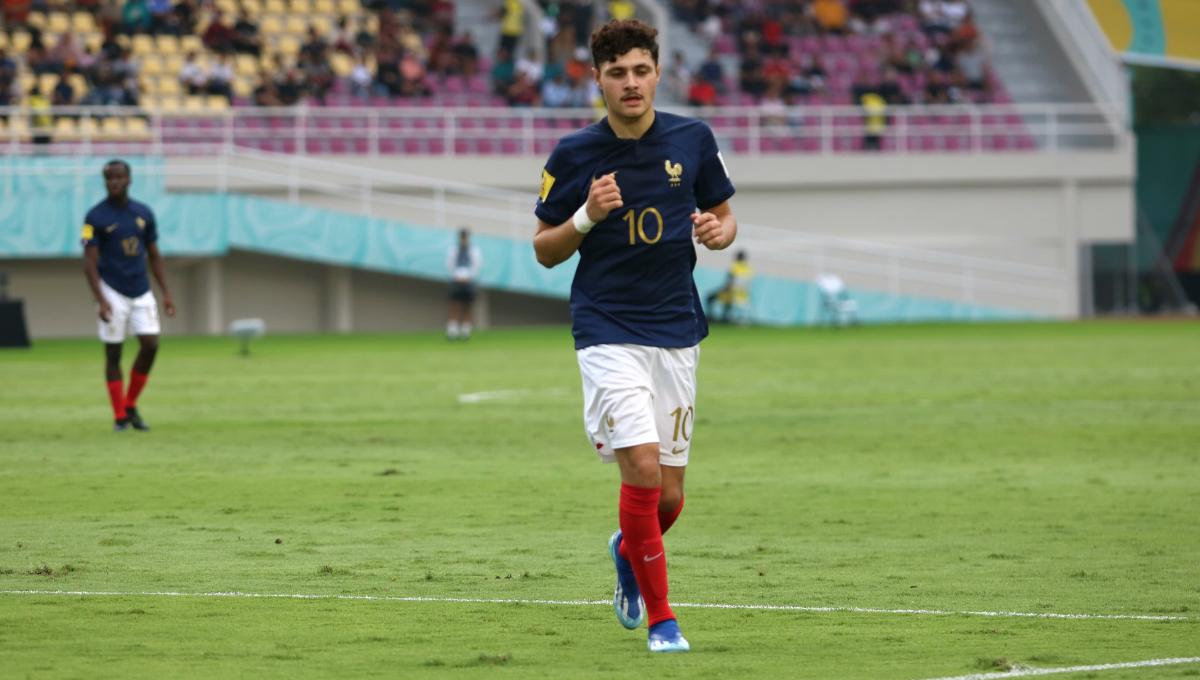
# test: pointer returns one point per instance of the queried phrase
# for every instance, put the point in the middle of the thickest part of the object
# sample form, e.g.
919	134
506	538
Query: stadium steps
1026	55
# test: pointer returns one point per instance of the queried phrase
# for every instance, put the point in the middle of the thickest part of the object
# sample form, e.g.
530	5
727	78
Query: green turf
1019	468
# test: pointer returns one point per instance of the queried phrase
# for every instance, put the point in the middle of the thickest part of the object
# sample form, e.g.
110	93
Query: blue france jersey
122	233
634	280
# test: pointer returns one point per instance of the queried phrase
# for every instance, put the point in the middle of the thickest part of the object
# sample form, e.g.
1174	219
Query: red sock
136	382
666	518
116	394
640	532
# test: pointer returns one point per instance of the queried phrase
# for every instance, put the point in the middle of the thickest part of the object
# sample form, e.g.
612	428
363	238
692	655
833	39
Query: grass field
1034	469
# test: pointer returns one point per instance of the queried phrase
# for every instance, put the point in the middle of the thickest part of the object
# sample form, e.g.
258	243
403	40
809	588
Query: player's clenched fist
709	231
604	196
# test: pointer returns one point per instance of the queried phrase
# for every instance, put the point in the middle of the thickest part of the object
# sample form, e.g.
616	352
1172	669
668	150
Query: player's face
116	180
629	83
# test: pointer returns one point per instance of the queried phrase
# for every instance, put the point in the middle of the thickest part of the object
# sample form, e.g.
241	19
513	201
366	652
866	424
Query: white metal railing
897	270
418	130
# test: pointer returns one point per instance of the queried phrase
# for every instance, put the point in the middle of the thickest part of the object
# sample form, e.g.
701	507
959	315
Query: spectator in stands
135	17
63	93
874	120
529	65
66	53
191	77
556	92
972	65
621	9
751	78
289	86
37	56
220	78
361	79
678	76
412	72
219	35
701	92
163	19
712	71
830	16
504	72
16	14
512	24
581	21
466	55
8	79
264	91
441	56
314	45
185	16
246	38
342	39
809	77
364	39
318	74
40	121
523	92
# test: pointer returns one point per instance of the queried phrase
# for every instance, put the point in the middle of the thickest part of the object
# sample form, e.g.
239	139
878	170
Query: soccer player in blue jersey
630	193
119	238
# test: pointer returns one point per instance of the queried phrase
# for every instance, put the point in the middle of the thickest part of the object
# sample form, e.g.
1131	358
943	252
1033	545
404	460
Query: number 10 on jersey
637	226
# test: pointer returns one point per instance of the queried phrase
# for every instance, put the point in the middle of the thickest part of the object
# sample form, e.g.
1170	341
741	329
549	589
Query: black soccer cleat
120	424
135	419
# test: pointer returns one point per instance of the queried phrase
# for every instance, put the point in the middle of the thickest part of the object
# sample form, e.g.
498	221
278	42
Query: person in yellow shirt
512	24
621	9
875	120
734	296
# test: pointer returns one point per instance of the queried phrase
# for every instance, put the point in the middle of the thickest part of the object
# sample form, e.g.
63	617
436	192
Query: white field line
503	395
591	603
1027	672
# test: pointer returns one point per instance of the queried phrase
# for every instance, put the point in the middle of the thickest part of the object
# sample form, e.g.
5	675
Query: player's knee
670	499
149	345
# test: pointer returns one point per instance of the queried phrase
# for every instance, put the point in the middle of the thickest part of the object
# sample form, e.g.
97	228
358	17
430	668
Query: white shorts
634	394
139	314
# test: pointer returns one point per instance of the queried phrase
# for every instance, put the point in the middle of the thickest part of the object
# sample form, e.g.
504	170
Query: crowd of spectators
901	51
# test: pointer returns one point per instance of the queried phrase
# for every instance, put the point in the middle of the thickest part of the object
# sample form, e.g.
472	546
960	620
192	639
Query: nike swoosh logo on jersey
651	558
109	229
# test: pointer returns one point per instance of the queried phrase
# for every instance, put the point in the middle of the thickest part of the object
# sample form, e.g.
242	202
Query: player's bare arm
160	275
715	228
555	244
91	270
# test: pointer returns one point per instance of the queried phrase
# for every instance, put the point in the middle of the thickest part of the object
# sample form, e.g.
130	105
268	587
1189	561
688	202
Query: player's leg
112	334
468	301
145	324
453	323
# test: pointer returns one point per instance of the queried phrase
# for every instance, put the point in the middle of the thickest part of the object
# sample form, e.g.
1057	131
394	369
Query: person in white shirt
463	262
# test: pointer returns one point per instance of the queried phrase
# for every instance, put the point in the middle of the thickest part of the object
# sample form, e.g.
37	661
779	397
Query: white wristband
583	223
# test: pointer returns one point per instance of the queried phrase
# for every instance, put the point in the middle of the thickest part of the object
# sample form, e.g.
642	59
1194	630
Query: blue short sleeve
713	185
88	236
558	198
150	236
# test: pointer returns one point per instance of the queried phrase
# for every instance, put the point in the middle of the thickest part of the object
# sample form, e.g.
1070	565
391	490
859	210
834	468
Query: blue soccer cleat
627	598
666	637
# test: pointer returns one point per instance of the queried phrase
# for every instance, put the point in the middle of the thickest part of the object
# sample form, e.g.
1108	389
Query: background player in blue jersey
119	237
630	193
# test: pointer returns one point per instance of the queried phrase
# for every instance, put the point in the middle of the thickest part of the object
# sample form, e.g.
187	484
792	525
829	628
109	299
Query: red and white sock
642	538
116	395
136	382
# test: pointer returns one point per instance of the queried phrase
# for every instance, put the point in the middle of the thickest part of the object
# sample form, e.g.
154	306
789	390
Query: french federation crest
141	223
674	173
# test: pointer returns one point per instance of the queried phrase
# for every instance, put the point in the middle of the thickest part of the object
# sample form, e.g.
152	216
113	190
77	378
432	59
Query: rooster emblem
674	173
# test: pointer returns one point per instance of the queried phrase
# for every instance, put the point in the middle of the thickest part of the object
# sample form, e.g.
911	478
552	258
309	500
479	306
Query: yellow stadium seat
217	102
58	22
66	129
4	40
252	7
166	104
18	126
349	7
137	128
324	7
190	43
275	7
83	22
194	103
46	82
295	25
271	25
142	45
171	65
20	42
88	129
78	83
167	44
288	46
93	41
152	65
322	23
37	20
169	86
242	87
245	65
341	64
113	127
300	6
229	7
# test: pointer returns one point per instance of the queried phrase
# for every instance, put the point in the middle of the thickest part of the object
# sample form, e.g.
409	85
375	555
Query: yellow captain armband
87	232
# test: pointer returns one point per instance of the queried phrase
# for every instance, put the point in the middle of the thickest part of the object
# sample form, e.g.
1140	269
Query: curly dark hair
618	37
